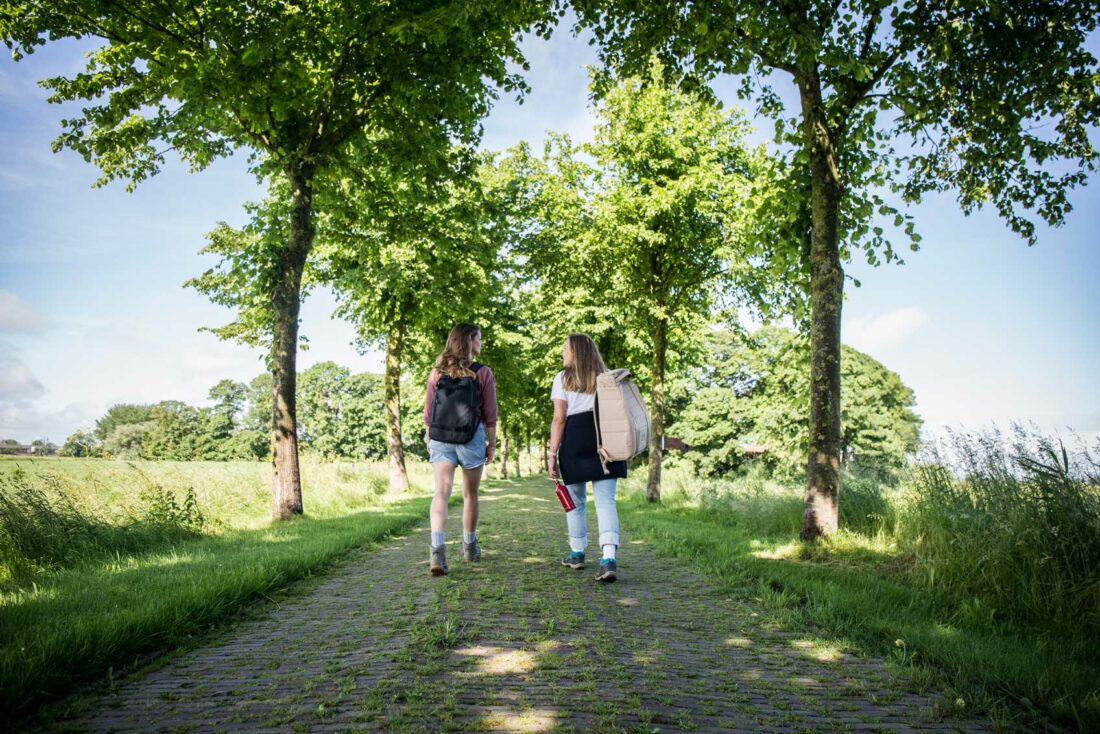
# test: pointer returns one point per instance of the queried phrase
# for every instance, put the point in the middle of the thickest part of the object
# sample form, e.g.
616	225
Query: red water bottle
566	498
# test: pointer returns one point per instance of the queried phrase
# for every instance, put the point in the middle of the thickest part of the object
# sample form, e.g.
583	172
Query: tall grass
44	529
1014	524
55	513
770	507
232	494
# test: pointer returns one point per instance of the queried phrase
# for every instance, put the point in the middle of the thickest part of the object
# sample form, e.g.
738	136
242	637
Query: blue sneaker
574	560
607	570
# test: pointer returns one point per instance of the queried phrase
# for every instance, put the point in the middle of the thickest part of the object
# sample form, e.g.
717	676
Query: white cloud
16	315
30	423
20	391
18	387
873	333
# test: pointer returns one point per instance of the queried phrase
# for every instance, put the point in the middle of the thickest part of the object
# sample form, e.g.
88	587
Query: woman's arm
428	395
489	413
557	428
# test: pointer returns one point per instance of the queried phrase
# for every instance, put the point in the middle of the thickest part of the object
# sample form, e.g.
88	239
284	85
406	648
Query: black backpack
453	417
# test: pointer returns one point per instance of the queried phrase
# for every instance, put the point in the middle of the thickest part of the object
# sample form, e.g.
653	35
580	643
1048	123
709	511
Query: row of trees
894	98
640	238
750	389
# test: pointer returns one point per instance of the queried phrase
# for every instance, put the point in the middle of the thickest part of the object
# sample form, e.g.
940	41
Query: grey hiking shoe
574	560
439	562
471	551
607	570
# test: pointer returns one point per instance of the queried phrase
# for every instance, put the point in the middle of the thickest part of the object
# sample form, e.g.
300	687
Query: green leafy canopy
992	100
292	81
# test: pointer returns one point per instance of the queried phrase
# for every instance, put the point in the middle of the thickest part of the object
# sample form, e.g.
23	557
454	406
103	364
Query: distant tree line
743	409
340	417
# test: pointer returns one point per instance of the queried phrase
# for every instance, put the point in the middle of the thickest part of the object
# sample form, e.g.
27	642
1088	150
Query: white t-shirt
575	402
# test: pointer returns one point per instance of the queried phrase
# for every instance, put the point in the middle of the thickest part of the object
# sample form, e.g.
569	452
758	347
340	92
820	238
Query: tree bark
529	451
657	410
516	452
286	302
395	339
821	513
544	458
503	451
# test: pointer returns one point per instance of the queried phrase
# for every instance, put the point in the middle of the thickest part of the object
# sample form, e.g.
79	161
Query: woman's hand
490	452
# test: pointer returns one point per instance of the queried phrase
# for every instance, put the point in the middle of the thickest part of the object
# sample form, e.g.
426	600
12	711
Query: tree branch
324	107
147	23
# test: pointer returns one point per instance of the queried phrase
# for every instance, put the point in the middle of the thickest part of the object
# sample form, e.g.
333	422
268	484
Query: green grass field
64	621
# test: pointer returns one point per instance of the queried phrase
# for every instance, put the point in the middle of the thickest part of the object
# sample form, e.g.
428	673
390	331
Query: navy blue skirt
577	458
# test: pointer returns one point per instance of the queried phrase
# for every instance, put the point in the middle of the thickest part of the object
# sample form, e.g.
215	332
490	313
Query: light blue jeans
607	516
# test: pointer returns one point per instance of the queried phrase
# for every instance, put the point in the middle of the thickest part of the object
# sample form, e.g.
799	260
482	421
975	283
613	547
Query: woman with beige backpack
574	456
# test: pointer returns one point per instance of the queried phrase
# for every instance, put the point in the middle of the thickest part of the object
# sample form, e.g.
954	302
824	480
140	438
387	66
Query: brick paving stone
515	643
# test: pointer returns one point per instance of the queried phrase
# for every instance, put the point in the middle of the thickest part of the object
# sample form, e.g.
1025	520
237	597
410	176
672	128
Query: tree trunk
820	516
530	452
544	459
286	302
516	452
503	451
399	477
657	411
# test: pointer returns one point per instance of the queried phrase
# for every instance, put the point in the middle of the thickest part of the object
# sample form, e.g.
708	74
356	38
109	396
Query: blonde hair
580	376
455	359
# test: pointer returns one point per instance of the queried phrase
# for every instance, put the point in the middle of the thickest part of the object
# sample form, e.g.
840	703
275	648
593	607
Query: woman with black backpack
460	413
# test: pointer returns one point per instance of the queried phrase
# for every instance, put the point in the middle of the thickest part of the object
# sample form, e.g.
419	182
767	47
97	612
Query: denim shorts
469	455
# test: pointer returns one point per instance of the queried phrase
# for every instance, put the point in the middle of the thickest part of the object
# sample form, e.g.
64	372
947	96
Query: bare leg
471	480
444	482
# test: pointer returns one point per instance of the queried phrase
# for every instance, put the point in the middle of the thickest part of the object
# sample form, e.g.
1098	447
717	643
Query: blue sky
92	312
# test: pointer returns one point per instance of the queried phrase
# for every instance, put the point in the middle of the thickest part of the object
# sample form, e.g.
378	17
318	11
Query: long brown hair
455	359
587	363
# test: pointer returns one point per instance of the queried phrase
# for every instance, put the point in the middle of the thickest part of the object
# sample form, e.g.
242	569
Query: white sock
577	545
468	538
437	538
609	551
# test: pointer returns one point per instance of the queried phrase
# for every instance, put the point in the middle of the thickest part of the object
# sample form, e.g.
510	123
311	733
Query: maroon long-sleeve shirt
486	411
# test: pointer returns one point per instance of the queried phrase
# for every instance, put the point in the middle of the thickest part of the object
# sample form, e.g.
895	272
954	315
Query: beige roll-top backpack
622	422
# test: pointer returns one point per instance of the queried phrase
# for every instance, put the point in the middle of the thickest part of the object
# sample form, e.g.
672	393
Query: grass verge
86	621
1021	675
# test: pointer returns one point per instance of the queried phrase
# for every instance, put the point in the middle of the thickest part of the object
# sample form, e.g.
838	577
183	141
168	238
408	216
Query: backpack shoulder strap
600	452
475	366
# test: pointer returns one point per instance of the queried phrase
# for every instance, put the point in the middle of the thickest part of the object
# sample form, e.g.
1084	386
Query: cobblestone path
514	643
